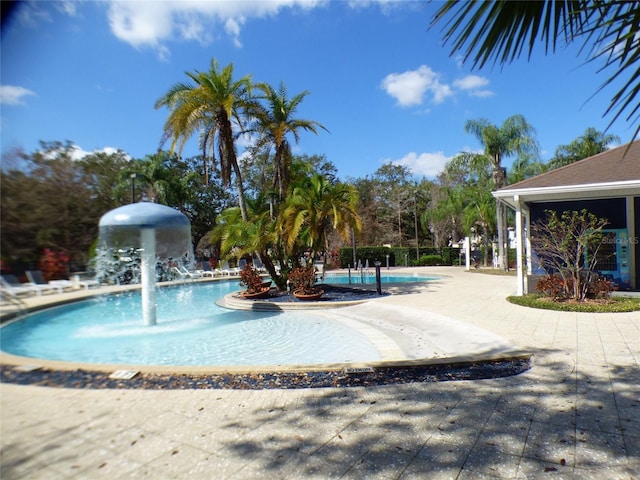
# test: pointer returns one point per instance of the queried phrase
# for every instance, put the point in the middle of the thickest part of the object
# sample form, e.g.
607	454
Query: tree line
269	203
51	200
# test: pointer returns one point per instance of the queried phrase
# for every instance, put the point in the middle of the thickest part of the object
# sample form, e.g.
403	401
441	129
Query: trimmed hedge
399	256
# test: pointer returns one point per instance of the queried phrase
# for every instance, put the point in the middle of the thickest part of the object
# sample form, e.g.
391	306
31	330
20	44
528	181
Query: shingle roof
611	166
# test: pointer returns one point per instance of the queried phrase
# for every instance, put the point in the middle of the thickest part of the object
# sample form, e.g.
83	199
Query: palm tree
275	123
590	143
313	208
208	106
515	136
500	31
258	234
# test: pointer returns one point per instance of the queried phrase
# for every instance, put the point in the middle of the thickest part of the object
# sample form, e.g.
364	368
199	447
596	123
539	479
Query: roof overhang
568	192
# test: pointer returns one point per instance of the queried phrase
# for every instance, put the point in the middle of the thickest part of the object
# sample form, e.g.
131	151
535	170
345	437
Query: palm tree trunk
499	178
242	203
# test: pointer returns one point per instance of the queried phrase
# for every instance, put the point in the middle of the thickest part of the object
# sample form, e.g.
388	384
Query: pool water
364	277
191	330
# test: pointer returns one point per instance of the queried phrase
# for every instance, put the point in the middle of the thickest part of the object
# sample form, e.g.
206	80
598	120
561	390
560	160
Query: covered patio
607	185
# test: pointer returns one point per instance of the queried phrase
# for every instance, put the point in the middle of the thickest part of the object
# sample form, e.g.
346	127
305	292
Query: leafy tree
47	203
103	174
166	179
208	106
590	143
445	217
525	166
514	136
501	31
394	187
569	244
469	203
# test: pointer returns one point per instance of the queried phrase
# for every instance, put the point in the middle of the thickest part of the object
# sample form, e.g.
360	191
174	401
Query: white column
527	239
148	274
500	228
520	269
467	253
632	229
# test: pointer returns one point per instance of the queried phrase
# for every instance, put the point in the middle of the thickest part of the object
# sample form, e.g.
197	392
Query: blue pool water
191	330
358	278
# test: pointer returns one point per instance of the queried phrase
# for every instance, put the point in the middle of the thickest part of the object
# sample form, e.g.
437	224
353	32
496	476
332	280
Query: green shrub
429	260
364	254
614	305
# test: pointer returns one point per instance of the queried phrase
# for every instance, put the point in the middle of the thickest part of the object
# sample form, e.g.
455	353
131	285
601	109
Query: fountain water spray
156	231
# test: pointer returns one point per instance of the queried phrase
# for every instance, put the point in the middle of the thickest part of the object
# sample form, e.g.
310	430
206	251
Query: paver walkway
575	414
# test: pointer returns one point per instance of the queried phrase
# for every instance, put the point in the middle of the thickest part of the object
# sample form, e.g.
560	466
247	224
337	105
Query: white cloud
13	95
473	85
79	153
471	82
142	25
424	164
409	88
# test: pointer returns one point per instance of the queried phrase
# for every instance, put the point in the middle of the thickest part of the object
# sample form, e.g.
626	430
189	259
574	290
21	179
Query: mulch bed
259	381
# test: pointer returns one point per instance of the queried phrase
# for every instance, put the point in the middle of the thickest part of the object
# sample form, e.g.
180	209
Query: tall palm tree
499	31
590	143
314	207
208	106
275	122
515	136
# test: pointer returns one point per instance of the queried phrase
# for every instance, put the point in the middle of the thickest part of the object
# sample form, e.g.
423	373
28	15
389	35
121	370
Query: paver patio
575	414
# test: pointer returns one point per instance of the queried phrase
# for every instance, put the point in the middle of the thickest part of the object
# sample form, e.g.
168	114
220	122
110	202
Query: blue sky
379	79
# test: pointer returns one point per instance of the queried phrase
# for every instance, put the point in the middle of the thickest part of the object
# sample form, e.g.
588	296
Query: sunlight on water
191	330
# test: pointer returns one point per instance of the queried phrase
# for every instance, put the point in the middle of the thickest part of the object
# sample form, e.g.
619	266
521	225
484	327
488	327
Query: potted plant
303	283
255	287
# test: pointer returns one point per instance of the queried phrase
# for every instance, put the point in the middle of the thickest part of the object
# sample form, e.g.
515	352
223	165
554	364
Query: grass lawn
613	304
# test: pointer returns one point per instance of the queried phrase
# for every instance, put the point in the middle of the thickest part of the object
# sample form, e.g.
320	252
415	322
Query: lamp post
133	188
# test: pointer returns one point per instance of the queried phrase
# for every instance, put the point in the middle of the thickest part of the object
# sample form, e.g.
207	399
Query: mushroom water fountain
156	232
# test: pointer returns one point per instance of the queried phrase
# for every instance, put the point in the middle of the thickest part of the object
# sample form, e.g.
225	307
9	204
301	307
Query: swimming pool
191	331
369	277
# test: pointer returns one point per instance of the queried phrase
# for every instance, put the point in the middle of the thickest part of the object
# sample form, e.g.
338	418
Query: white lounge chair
87	284
186	274
37	277
12	282
224	269
257	263
15	290
206	270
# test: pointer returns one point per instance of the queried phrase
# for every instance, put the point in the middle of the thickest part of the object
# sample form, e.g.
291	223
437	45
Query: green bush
428	260
364	254
398	256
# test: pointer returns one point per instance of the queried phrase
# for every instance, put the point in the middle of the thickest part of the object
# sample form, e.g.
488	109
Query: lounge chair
242	263
11	282
186	274
206	270
257	263
224	269
37	277
87	284
14	288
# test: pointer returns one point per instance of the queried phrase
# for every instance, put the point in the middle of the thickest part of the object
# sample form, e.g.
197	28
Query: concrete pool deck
575	414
